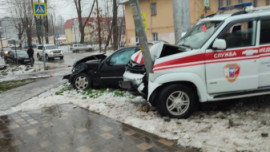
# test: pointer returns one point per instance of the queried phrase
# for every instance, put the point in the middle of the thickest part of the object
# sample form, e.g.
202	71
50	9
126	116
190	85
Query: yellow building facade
160	19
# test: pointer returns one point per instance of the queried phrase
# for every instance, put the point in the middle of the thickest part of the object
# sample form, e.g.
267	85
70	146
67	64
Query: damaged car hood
96	57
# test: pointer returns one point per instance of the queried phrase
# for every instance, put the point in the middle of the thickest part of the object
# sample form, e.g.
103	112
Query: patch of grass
8	85
62	90
118	93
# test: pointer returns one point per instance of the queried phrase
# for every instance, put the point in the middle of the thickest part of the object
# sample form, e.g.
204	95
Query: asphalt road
69	58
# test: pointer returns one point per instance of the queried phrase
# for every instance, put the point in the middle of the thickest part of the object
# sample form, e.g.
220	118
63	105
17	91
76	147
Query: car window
122	57
240	35
50	47
265	32
40	47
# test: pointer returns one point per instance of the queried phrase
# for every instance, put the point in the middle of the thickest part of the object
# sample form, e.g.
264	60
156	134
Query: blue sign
57	35
40	9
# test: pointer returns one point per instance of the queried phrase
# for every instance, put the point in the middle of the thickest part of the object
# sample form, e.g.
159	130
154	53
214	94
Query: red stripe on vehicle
215	57
137	57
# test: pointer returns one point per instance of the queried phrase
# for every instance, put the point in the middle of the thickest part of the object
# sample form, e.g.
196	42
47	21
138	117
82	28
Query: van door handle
250	52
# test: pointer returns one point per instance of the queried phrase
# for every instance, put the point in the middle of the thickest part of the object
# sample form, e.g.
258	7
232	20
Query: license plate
26	60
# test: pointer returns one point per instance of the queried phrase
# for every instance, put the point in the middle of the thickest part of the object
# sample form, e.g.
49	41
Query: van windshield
199	34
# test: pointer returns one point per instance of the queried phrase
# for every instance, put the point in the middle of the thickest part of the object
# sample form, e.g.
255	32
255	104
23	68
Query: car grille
134	67
56	51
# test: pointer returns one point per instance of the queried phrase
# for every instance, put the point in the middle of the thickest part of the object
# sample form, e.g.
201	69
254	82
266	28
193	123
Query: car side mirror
219	44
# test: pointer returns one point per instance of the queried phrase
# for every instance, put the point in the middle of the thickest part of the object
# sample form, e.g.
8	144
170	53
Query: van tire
177	101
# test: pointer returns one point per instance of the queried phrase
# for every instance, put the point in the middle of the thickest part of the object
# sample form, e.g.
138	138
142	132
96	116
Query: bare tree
78	4
22	11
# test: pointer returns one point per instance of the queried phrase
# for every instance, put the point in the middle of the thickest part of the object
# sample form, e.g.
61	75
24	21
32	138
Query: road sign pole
140	30
40	9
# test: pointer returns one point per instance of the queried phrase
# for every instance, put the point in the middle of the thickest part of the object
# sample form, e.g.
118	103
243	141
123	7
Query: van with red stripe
225	56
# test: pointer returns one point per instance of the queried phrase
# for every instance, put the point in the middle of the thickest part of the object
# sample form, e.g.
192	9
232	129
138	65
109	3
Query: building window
155	36
153	7
240	1
220	3
267	2
255	3
229	2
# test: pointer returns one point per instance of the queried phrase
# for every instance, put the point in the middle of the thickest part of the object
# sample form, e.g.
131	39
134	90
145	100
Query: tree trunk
46	24
99	30
20	34
37	21
114	25
29	36
121	31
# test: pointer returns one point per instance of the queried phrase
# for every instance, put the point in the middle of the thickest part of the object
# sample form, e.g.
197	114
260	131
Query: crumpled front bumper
69	77
133	82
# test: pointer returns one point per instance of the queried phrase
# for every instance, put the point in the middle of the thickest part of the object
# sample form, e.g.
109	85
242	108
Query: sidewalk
66	128
18	95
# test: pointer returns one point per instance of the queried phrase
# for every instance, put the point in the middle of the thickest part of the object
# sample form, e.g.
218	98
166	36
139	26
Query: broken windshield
199	34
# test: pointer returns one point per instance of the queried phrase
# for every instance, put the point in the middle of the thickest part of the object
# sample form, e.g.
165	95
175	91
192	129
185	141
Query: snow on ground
245	126
12	70
16	70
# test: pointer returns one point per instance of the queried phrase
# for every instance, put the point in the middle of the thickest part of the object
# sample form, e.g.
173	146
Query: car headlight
51	53
6	52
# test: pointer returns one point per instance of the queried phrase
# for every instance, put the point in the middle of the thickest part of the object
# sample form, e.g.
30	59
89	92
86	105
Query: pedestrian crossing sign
39	9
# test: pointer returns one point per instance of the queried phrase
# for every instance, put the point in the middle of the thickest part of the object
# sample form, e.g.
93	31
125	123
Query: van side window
265	32
240	35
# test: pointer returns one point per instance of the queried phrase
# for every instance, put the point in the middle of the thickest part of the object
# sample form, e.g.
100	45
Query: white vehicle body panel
216	72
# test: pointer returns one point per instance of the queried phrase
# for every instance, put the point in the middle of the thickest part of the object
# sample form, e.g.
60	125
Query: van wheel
81	81
61	58
177	101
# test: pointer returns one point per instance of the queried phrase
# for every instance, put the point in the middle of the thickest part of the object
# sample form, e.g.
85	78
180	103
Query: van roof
224	14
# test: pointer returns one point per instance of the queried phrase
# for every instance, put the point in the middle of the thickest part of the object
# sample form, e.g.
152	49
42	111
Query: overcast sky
65	8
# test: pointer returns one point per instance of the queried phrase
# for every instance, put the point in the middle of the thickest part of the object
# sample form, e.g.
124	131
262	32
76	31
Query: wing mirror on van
219	44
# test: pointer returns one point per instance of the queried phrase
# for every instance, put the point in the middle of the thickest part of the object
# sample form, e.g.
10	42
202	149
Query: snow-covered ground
245	126
12	70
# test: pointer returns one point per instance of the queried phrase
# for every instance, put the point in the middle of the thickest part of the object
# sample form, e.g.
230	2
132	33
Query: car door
112	69
264	63
235	68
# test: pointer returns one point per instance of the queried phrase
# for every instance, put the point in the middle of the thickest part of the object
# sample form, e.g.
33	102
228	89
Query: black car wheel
61	58
81	81
177	101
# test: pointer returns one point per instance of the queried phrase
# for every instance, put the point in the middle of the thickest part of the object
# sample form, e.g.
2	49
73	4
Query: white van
225	56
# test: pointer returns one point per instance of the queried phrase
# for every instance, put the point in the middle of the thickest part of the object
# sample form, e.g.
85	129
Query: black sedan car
19	56
100	70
